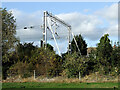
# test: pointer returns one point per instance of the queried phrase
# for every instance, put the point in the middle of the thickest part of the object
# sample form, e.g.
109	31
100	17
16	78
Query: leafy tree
55	66
50	47
8	38
75	64
24	51
93	62
104	51
21	69
81	44
104	48
46	62
115	59
8	31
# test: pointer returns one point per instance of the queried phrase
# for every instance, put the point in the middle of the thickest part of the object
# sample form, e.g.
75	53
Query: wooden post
79	76
96	76
34	74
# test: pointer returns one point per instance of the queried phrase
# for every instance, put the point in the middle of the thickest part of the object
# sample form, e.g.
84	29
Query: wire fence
29	76
25	73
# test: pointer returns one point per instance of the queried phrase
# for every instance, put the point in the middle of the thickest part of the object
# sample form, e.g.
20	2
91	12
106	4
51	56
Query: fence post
79	76
34	74
96	76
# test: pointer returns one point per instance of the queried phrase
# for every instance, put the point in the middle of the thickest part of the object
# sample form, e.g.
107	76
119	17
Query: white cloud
92	27
109	12
87	25
113	30
29	34
16	13
27	20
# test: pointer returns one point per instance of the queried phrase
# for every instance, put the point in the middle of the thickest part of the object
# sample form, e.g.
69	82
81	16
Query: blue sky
56	7
91	19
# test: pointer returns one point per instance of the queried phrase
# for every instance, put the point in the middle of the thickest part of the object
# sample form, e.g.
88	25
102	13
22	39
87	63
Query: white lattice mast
46	14
44	44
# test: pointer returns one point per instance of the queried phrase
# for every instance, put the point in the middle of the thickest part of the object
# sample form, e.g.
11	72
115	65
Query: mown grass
59	85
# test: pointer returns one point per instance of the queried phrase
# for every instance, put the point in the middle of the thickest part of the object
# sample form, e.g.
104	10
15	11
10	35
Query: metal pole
69	40
45	30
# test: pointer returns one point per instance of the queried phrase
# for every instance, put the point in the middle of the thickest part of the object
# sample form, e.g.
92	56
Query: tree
46	62
115	59
81	44
8	31
92	64
50	47
104	50
20	69
8	38
75	64
24	51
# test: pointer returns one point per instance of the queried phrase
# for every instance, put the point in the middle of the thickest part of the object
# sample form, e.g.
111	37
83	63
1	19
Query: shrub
75	64
21	69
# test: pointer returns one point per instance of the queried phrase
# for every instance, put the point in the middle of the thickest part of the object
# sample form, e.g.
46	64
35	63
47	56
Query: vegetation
44	62
81	44
105	54
75	64
21	59
104	48
8	39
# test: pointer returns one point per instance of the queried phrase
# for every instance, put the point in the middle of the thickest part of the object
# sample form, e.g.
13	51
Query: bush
21	69
75	64
46	62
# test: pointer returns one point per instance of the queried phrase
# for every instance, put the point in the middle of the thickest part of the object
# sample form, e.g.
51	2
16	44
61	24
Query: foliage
8	38
75	64
81	44
9	60
46	62
56	66
22	69
92	62
20	59
50	47
8	31
24	51
107	56
26	56
115	60
104	48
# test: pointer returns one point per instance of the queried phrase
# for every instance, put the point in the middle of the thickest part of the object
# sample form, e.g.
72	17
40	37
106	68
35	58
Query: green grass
59	85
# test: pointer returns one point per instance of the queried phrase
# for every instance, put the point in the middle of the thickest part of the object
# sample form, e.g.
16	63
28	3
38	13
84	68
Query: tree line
22	59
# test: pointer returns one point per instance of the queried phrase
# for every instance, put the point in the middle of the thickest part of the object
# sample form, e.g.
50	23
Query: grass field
59	85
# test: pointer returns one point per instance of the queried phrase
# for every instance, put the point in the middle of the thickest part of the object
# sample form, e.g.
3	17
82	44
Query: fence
33	75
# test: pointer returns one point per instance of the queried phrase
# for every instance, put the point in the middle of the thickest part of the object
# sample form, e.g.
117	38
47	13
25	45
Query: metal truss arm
57	19
54	38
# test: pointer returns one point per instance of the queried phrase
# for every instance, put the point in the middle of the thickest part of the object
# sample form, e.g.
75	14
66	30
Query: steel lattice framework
46	25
